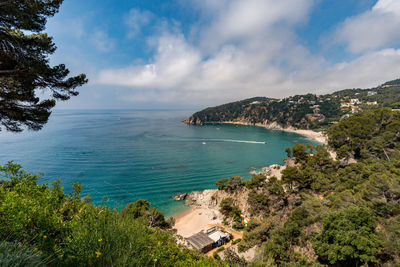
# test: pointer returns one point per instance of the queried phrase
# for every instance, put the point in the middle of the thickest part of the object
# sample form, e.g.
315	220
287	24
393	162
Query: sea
121	156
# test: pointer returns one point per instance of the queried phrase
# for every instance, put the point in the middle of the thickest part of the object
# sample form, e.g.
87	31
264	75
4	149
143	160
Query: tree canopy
25	68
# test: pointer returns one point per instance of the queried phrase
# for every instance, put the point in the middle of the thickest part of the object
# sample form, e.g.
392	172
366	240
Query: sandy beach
194	220
204	216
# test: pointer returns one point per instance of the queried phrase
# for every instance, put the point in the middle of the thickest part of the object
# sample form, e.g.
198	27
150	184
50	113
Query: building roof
200	240
217	235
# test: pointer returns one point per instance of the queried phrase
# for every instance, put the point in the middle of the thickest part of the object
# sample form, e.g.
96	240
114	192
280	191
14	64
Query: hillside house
201	242
206	241
345	105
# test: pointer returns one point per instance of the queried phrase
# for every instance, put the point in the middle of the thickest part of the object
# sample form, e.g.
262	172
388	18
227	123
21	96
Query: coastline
201	217
195	219
310	134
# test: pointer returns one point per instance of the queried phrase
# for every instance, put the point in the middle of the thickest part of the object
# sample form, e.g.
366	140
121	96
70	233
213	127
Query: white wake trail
236	141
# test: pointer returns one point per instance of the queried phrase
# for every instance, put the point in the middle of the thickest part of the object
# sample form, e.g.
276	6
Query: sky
190	54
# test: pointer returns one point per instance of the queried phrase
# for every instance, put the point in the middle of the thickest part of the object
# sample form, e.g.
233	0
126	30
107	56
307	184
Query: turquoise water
122	156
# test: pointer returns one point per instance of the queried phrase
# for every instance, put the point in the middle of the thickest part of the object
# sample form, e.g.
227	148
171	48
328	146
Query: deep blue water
122	156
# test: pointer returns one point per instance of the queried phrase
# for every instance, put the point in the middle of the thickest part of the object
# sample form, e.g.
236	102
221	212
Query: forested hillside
301	111
327	212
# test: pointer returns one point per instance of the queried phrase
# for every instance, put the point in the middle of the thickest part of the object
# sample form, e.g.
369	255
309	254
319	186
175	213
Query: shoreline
310	134
194	220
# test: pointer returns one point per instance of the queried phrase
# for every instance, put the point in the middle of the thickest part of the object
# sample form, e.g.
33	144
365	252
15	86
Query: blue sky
196	53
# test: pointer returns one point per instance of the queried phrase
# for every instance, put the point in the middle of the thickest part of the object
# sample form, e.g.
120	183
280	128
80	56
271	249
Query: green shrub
141	209
237	225
348	237
228	209
258	203
234	242
71	232
230	184
255	182
220	249
14	254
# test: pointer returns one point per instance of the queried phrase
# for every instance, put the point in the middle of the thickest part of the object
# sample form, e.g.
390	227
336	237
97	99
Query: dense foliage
343	212
25	68
43	226
373	134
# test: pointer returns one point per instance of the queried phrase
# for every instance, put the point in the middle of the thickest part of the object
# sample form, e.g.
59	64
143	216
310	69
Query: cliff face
212	198
193	120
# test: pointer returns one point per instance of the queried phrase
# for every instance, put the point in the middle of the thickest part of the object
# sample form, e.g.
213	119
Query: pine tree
25	68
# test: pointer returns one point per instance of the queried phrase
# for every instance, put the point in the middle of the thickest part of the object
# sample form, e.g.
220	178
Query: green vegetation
24	66
229	209
220	249
15	254
230	184
348	236
330	212
258	203
256	182
373	134
43	226
153	217
236	241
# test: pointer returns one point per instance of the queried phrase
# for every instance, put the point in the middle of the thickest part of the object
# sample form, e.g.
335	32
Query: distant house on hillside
345	104
371	93
372	103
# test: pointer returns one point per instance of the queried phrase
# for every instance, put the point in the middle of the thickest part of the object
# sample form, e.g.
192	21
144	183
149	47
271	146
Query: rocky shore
203	211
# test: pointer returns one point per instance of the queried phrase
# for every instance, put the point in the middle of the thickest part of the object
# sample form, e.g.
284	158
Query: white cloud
101	41
174	62
370	69
372	29
137	19
245	48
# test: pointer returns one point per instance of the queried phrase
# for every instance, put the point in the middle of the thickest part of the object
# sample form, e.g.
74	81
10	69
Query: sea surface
122	156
